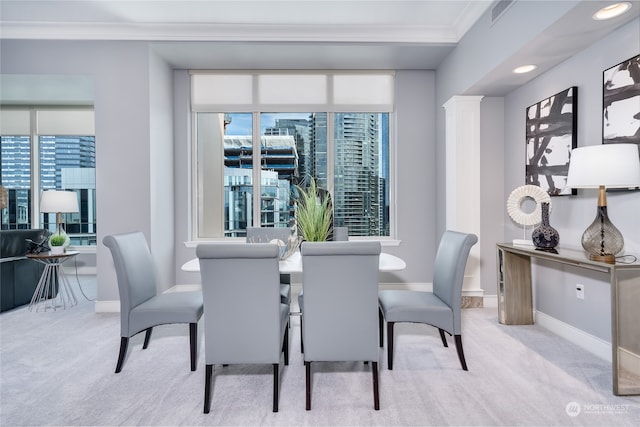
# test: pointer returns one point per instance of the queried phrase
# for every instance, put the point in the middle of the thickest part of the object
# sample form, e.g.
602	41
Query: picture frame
621	102
551	134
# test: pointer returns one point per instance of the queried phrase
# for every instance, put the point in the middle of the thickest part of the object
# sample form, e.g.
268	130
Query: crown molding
412	34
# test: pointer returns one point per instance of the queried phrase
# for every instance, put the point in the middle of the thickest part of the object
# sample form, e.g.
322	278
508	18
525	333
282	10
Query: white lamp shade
609	165
59	201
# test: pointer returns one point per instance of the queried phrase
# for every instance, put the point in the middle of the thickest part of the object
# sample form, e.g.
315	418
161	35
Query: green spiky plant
314	214
57	240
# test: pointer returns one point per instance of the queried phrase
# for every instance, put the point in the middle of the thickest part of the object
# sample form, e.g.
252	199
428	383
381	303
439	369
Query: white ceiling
415	34
439	20
303	34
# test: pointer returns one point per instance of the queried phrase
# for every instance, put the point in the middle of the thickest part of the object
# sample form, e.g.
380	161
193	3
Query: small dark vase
544	236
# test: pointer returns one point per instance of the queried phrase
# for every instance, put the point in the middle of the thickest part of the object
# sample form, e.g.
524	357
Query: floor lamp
60	202
604	166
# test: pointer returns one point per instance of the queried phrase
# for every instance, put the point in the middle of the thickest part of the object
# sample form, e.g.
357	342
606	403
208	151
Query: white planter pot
57	250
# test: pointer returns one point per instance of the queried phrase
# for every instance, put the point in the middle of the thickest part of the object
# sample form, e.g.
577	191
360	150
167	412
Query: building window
303	126
61	145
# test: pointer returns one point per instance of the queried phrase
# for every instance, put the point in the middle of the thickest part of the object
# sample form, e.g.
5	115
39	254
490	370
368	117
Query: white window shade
66	122
367	89
14	122
292	89
220	89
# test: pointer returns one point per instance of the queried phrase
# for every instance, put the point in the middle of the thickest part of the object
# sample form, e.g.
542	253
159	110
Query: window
324	126
60	145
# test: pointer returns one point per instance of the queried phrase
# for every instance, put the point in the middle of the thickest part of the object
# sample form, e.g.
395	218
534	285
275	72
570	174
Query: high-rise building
358	189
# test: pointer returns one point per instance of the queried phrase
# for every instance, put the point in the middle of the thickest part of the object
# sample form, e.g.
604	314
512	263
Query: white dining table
293	264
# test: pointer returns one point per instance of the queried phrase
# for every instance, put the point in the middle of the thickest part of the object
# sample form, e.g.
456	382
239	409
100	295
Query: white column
462	139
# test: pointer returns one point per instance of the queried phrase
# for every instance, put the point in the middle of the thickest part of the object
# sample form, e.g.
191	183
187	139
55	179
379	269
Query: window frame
256	109
85	128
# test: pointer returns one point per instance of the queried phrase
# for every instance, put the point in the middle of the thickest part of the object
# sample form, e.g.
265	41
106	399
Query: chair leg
276	381
193	344
147	337
458	339
390	345
307	366
207	388
443	338
376	394
301	339
124	343
381	327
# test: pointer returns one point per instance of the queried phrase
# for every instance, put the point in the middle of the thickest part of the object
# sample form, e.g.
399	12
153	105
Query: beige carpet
57	369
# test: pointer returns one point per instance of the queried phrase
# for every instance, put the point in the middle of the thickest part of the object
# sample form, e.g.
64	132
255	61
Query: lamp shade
609	165
59	201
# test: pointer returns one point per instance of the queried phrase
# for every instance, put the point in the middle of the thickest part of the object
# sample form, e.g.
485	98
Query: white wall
571	215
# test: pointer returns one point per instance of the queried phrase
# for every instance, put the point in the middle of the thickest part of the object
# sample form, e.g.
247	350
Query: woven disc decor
519	195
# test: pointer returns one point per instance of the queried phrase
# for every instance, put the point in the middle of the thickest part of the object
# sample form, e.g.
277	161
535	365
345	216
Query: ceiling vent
499	9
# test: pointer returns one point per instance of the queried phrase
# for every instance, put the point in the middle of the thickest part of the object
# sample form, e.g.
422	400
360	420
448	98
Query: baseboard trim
70	270
107	307
114	306
490	301
591	343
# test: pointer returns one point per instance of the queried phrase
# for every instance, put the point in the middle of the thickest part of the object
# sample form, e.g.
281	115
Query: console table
515	303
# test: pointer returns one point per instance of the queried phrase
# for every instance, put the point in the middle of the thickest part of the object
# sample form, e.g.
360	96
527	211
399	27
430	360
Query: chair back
449	266
340	315
266	234
135	272
241	295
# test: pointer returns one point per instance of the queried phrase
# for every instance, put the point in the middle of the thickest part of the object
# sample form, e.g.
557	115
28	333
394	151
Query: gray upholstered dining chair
440	308
340	313
244	320
339	234
141	307
266	235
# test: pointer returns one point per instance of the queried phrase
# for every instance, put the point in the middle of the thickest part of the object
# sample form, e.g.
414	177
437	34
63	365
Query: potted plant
314	213
57	244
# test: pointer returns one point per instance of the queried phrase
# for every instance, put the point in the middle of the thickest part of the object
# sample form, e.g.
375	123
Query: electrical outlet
580	291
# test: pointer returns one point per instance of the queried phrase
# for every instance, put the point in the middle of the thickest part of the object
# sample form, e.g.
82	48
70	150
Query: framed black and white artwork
551	134
621	102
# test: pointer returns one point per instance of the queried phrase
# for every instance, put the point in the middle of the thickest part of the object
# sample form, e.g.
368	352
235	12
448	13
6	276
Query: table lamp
59	202
604	166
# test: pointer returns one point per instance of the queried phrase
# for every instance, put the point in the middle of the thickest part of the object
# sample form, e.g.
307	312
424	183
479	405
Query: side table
53	289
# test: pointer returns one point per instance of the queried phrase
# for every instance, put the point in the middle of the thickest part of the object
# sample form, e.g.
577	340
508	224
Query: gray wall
571	215
122	74
414	164
492	157
161	170
143	150
482	49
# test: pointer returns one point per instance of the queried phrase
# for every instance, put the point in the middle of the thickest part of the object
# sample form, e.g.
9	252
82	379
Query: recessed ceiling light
524	69
612	11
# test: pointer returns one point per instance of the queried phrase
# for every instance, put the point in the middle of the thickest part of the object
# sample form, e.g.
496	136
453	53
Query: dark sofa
19	276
